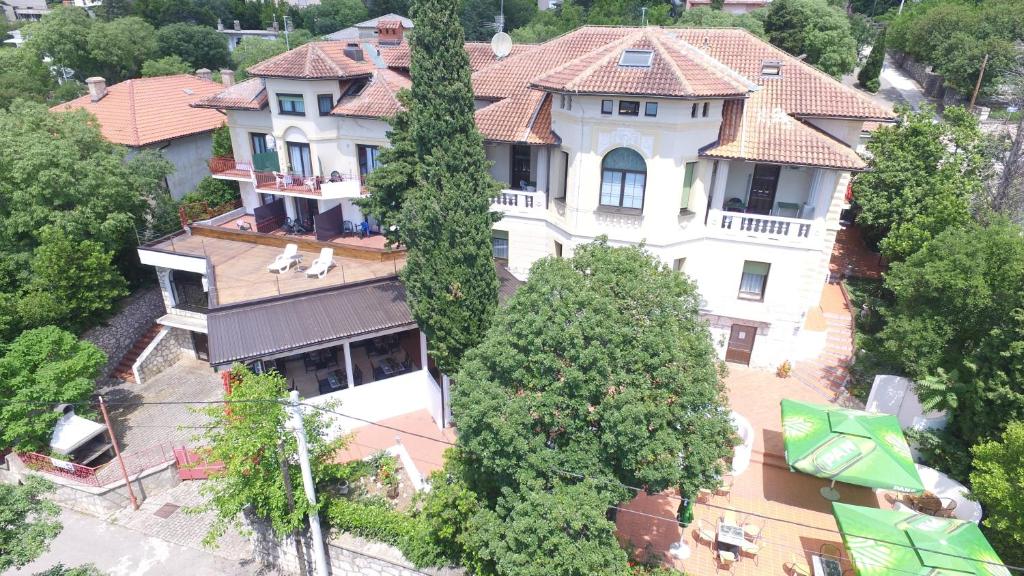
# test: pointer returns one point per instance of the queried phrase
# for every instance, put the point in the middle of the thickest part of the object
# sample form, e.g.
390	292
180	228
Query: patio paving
794	518
421	437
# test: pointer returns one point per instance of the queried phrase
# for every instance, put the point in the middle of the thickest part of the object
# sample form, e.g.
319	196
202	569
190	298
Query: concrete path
895	87
118	551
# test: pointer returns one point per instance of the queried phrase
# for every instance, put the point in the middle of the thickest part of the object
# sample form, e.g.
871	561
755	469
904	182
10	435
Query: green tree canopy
957	328
24	75
331	15
119	47
253	51
704	17
539	532
815	28
923	175
586	348
200	46
40	369
166	66
868	75
63	35
28	522
478	16
251	440
995	482
164	12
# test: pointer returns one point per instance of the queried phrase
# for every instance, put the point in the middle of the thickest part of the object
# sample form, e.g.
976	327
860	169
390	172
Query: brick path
851	256
828	373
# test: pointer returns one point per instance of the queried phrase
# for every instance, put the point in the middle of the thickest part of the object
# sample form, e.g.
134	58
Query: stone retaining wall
347	555
134	316
164	351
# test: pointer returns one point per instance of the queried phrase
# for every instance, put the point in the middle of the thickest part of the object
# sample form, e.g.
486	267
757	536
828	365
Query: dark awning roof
246	331
281	324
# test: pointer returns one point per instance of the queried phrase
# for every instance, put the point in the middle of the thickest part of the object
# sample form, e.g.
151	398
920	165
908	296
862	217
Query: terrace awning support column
423	350
348	365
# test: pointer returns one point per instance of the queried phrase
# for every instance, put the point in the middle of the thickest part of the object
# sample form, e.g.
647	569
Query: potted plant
784	369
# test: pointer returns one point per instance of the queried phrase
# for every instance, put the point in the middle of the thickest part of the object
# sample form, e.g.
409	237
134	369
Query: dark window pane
651	109
629	108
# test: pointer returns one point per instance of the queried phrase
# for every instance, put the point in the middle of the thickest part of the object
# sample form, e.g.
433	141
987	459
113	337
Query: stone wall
163	351
934	85
347	555
134	316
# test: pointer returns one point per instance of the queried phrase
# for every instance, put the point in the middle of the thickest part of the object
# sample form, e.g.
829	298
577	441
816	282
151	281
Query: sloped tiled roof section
800	89
314	61
523	118
148	110
757	132
480	54
379	99
250	94
674	69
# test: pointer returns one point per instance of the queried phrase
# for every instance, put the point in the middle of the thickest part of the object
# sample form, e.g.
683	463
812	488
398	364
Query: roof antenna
501	43
643	15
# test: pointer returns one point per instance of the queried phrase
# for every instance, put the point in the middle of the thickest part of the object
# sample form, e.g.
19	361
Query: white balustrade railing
760	225
518	202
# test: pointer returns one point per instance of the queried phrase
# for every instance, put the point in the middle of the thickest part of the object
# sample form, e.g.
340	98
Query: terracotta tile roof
676	70
146	110
389	24
315	60
250	94
525	117
801	89
757	132
480	54
378	99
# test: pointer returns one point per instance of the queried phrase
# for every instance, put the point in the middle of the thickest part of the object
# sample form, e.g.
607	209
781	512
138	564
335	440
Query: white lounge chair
321	265
284	260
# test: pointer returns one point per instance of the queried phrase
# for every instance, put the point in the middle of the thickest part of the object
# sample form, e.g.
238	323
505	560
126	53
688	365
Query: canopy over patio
849	446
886	542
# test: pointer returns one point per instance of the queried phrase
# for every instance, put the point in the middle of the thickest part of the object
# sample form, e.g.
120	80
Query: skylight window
771	68
636	58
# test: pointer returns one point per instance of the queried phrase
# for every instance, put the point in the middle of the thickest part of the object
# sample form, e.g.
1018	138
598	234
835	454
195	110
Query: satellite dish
501	45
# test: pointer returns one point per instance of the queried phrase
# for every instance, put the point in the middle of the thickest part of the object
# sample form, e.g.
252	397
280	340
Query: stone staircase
123	370
829	371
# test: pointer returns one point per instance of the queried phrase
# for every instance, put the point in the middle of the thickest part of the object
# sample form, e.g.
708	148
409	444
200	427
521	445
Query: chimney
97	88
227	77
354	52
204	74
238	25
220	24
390	32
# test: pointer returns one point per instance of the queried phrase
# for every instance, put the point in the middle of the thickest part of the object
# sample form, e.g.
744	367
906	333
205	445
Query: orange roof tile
315	60
146	110
480	54
250	94
525	117
676	69
759	133
378	99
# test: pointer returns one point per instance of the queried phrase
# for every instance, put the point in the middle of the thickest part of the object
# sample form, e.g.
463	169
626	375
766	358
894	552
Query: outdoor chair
751	530
284	260
830	550
947	510
797	565
281	179
751	549
727	560
705	532
321	265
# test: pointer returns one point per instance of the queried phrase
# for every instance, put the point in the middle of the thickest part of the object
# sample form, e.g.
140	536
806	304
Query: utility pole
900	11
977	85
286	43
295	423
117	452
290	495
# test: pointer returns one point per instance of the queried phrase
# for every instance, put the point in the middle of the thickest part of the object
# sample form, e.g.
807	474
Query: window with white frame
499	244
754	280
623	179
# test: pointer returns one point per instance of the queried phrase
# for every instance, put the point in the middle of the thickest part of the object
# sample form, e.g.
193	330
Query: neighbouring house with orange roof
155	113
726	157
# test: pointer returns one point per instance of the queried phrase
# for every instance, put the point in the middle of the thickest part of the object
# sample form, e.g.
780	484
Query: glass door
300	159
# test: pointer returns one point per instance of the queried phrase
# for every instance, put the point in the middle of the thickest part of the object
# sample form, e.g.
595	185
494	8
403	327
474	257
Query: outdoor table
823	566
730	534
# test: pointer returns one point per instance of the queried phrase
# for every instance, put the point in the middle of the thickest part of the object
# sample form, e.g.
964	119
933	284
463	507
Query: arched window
623	179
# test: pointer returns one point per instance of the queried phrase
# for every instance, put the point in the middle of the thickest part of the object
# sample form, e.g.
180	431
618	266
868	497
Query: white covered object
895	395
741	453
72	432
945	487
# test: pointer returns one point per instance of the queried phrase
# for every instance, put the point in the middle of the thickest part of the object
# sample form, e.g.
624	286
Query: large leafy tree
41	368
478	16
24	75
119	47
705	17
995	482
957	327
814	28
445	219
923	175
164	12
200	46
62	35
254	51
331	15
166	66
587	350
28	522
251	440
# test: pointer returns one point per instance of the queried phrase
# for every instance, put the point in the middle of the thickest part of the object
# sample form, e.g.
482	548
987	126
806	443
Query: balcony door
762	189
300	159
520	167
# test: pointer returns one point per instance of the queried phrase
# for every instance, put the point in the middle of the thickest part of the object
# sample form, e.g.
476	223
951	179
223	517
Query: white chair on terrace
284	260
321	265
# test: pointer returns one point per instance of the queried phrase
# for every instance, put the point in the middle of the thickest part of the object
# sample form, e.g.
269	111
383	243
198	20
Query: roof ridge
534	114
656	41
132	114
599	62
715	65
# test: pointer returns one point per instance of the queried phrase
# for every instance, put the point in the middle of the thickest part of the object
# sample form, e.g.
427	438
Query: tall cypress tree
436	186
868	75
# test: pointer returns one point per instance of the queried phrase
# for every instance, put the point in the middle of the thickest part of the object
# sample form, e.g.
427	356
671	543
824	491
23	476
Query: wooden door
762	189
199	344
741	344
520	171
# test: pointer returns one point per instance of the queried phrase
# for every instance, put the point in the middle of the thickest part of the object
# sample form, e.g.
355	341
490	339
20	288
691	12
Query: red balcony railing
228	166
285	182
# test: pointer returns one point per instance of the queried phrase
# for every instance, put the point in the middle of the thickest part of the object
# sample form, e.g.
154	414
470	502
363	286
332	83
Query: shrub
212	191
371	518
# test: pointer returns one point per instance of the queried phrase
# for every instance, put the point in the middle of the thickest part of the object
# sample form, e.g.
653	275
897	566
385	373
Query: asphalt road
118	551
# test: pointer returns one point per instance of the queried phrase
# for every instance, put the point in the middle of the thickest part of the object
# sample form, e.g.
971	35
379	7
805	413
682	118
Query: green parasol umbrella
894	542
848	446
